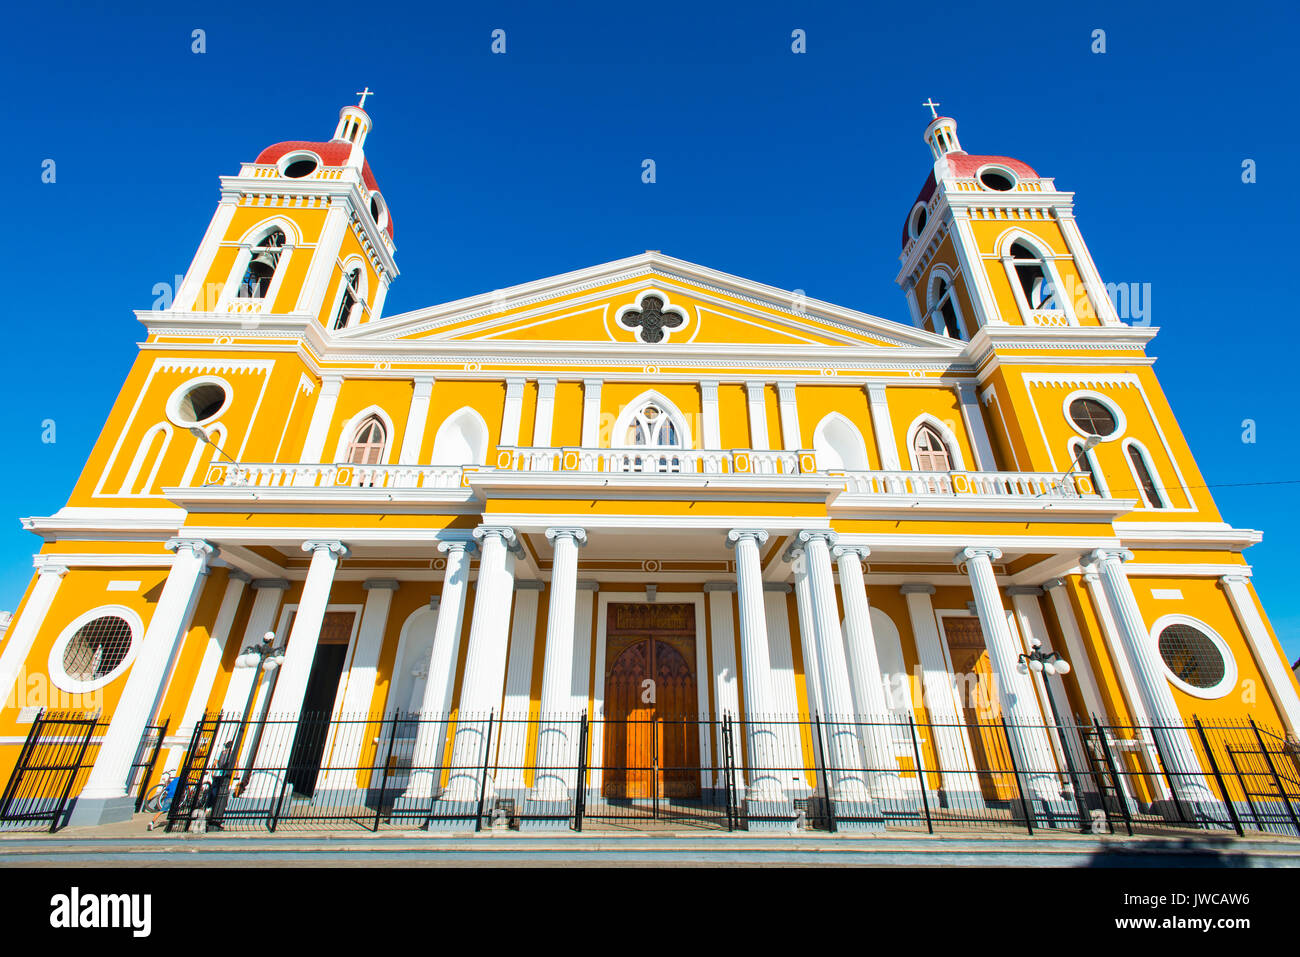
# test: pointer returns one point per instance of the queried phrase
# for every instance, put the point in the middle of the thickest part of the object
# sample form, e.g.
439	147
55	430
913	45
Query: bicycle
156	800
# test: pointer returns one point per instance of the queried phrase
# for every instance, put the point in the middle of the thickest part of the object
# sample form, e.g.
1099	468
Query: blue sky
793	170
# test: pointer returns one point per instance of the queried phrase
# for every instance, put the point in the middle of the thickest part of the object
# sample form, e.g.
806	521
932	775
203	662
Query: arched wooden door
652	739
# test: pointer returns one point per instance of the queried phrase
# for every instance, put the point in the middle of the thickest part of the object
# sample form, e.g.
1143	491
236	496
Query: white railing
1028	484
273	475
656	461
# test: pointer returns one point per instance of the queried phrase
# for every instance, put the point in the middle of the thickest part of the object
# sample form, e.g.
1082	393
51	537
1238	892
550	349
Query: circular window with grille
1196	660
1090	414
95	648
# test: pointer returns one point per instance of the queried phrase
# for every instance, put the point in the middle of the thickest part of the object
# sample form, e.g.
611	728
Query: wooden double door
651	722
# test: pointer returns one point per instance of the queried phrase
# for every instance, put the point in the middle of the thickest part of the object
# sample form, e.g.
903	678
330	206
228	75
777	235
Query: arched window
461	439
1145	477
1032	273
943	314
350	302
931	453
838	444
367	447
652	427
1088	463
262	263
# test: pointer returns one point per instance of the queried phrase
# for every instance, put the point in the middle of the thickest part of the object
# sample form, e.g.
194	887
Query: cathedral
645	533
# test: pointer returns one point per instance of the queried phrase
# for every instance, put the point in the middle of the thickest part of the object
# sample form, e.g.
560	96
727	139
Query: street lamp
264	657
1090	443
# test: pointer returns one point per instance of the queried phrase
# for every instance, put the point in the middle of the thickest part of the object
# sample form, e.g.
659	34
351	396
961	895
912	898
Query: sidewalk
128	844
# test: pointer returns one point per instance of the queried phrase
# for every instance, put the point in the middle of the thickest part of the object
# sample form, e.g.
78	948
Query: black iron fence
473	772
55	761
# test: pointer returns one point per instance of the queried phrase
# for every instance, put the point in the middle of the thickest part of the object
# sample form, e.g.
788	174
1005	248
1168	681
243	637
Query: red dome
331	154
964	166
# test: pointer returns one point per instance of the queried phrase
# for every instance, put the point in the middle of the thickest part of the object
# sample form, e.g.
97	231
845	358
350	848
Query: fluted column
1168	724
300	651
763	739
864	671
431	737
485	661
807	630
1278	677
104	797
843	753
1026	724
557	735
22	633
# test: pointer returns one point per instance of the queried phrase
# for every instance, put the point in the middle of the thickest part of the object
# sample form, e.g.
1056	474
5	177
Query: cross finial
934	114
363	94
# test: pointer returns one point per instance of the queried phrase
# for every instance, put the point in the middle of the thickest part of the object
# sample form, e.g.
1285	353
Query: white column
104	797
1168	724
975	428
947	723
191	290
764	741
1053	701
267	593
1087	269
512	413
435	707
711	424
791	440
843	754
1026	724
485	660
785	701
313	447
516	709
315	286
757	400
1119	657
726	694
545	417
807	631
864	672
416	420
22	633
1280	681
300	651
972	267
882	425
557	733
211	663
1076	653
591	413
580	688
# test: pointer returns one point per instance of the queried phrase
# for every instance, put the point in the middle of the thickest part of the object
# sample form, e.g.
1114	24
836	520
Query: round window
997	179
300	168
1092	417
200	403
97	648
1197	661
919	220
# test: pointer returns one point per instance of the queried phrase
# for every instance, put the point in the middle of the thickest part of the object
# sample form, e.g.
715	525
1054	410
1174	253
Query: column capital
809	535
842	551
719	586
1031	590
423	384
1091	577
1235	578
758	535
579	535
379	584
503	532
238	574
966	554
46	565
280	583
1053	583
783	587
201	549
917	588
592	383
529	584
1099	556
458	545
588	585
334	547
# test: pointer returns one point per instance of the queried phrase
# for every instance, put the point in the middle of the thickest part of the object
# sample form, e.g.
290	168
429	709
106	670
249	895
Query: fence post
482	784
388	763
1214	766
153	759
1020	787
72	776
920	774
830	776
1277	781
33	736
729	772
580	798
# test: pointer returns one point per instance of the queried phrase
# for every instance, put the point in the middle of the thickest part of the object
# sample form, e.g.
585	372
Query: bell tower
302	231
991	242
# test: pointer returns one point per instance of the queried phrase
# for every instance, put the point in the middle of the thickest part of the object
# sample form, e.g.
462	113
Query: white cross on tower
363	94
934	114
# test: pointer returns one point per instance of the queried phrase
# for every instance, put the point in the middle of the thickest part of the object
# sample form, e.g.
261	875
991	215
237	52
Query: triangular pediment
649	301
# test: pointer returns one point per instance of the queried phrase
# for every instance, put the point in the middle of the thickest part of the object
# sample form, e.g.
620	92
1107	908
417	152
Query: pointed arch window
367	446
1088	462
262	263
944	315
350	300
1035	282
932	453
653	427
1145	476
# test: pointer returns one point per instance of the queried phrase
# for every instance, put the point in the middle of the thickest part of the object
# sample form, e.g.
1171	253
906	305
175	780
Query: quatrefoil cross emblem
652	319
